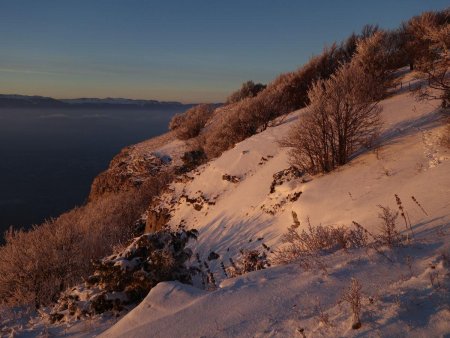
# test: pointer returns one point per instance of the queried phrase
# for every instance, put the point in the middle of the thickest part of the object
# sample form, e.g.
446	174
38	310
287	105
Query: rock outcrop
133	166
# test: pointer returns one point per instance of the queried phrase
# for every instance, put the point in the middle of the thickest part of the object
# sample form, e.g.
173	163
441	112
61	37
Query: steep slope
236	203
229	214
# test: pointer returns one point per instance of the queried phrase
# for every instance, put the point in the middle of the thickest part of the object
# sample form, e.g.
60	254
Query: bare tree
431	33
248	89
378	55
343	116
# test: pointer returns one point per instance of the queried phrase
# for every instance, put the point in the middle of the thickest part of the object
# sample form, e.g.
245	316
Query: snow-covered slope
408	160
235	204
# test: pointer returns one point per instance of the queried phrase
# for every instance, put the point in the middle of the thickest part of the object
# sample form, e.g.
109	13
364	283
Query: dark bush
248	89
192	159
128	276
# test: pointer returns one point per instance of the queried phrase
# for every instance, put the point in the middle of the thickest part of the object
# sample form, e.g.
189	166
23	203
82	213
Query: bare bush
342	118
307	245
353	297
285	94
388	231
379	55
190	123
429	42
37	265
248	89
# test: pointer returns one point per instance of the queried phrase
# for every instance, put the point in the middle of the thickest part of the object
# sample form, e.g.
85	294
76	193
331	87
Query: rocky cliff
135	164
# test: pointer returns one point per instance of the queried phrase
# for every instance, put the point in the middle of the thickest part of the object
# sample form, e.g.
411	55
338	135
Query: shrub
353	297
189	124
379	56
37	265
192	159
388	230
127	277
342	118
285	94
308	244
248	261
248	89
431	33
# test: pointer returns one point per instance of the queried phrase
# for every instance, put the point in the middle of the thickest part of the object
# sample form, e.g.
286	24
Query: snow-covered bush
38	264
342	118
430	40
189	124
248	260
127	277
378	56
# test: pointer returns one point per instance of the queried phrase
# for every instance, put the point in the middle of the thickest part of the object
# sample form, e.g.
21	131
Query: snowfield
405	290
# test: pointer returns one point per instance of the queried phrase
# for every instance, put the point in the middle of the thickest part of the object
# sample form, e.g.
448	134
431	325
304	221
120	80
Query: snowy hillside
236	203
250	196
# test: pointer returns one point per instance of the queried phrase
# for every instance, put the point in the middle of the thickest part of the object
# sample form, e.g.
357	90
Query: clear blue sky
186	50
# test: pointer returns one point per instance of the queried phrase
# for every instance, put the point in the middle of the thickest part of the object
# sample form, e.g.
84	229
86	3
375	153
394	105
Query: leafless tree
343	116
380	55
431	33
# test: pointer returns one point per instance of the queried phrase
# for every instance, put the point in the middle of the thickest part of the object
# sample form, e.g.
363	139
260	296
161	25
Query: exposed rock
283	176
230	178
262	160
156	220
213	256
183	178
128	170
294	196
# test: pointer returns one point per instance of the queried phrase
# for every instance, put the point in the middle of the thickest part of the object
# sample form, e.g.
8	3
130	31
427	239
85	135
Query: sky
188	51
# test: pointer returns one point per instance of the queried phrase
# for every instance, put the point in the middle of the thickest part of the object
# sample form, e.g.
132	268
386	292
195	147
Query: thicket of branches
379	54
38	264
428	46
285	94
342	117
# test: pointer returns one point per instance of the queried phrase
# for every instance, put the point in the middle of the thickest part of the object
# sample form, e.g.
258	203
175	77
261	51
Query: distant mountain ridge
25	101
